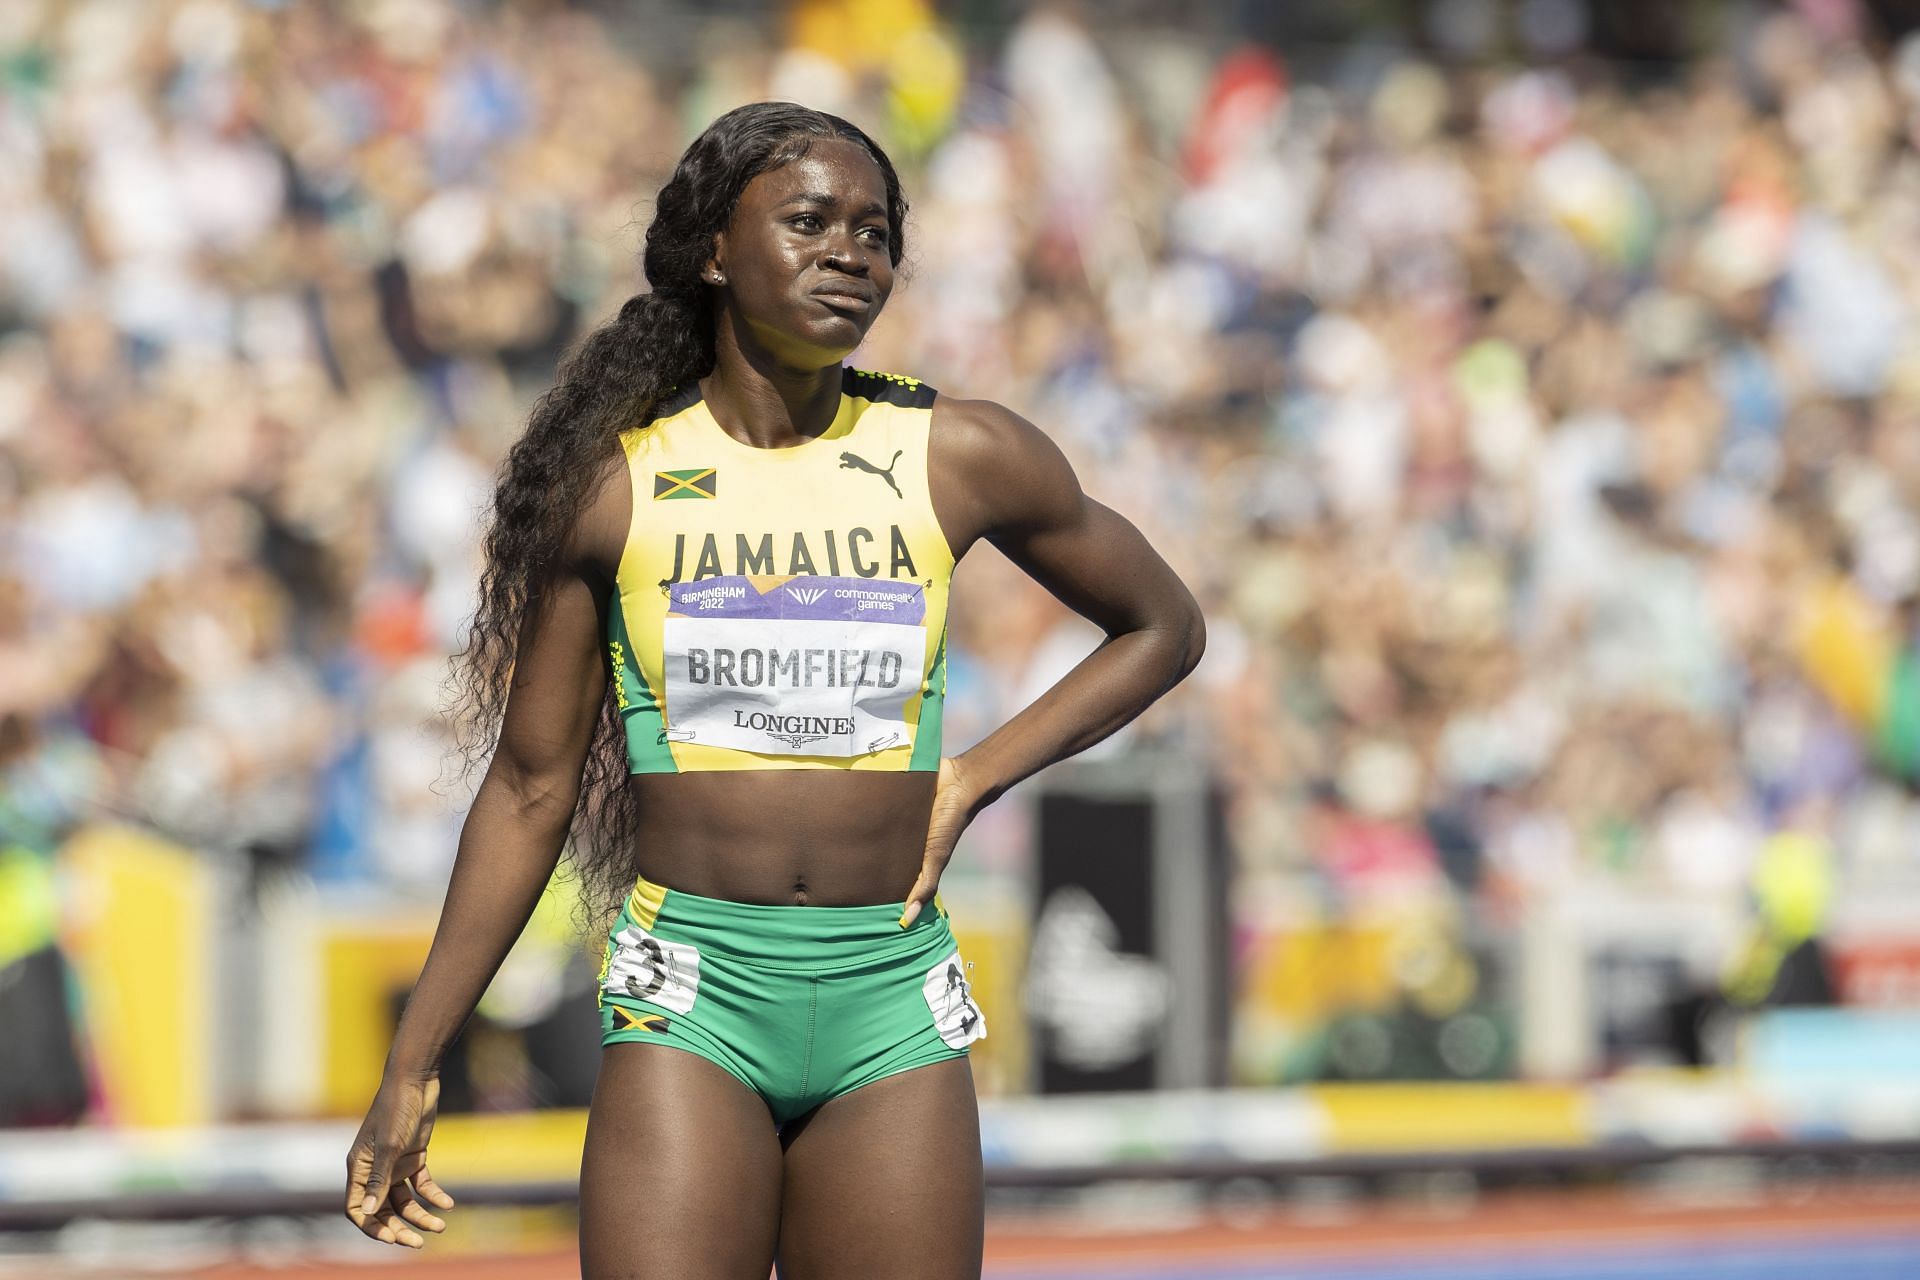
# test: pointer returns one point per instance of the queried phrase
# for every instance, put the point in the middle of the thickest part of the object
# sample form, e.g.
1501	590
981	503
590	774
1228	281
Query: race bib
956	1014
793	666
644	967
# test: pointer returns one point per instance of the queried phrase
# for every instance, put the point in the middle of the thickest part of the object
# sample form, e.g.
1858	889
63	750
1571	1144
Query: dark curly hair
610	381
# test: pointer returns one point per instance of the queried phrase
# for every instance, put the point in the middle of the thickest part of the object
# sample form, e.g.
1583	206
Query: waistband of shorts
781	936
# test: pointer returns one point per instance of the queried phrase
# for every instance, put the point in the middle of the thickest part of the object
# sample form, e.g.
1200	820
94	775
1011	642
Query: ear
716	265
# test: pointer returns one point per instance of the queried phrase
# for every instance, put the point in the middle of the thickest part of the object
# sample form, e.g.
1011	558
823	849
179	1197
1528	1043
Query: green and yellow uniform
784	609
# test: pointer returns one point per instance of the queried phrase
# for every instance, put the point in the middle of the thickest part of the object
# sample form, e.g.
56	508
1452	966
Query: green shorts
802	1004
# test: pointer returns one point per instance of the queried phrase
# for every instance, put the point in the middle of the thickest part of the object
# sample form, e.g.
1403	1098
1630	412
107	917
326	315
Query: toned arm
1011	485
996	476
508	847
513	834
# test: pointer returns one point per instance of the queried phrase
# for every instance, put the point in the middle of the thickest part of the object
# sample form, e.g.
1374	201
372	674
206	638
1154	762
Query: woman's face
805	255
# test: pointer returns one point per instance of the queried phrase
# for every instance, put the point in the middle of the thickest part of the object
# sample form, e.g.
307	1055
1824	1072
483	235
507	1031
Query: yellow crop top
783	608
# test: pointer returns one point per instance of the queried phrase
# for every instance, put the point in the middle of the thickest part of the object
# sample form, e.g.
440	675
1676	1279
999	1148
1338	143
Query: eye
875	235
806	221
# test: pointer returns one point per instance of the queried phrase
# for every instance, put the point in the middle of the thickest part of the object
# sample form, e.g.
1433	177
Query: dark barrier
1127	977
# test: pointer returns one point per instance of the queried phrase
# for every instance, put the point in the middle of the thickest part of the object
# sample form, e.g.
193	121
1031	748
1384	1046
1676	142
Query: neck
764	400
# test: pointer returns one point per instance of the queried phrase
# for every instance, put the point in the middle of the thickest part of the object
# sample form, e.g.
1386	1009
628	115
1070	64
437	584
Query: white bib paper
816	666
644	967
956	1014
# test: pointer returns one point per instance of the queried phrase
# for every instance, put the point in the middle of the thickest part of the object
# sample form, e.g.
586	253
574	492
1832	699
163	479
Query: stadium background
1529	389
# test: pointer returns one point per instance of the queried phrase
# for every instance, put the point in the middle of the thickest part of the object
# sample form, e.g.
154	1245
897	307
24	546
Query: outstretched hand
387	1178
955	801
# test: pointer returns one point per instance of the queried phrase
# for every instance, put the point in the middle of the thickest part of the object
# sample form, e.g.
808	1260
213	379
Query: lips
842	296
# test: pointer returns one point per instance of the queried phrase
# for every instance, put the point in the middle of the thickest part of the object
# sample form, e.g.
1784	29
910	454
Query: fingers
359	1171
362	1210
408	1177
388	1187
932	866
424	1185
948	819
394	1230
918	897
368	1186
400	1222
356	1199
416	1214
377	1177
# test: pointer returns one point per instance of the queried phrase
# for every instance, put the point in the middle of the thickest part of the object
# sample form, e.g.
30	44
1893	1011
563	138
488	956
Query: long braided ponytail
610	381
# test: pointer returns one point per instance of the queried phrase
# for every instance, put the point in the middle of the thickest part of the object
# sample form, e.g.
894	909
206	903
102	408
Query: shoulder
979	421
887	388
987	437
598	536
673	404
1010	472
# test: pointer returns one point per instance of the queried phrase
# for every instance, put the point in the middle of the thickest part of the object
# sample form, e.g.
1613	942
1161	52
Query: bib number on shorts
644	967
956	1015
815	666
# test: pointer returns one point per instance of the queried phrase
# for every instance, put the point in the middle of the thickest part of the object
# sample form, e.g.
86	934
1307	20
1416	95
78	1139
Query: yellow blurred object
29	905
1754	968
1847	647
1442	1117
1429	966
521	1147
900	41
860	35
995	943
1302	975
1297	977
1792	889
366	963
929	77
1793	883
141	943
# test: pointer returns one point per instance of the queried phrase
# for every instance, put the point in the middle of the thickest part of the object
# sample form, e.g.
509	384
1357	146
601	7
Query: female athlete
712	639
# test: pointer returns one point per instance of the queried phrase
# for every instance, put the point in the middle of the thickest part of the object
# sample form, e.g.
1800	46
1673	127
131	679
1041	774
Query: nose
842	254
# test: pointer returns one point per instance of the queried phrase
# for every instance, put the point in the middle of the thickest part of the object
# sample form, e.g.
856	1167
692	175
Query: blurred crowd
1543	439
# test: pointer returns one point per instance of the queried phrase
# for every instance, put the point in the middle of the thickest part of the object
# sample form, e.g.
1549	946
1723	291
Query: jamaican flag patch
627	1020
698	482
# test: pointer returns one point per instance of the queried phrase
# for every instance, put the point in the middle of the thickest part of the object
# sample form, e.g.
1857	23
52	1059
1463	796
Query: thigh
681	1173
885	1182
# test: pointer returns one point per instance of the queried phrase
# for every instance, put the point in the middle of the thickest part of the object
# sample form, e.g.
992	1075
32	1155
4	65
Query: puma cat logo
853	461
